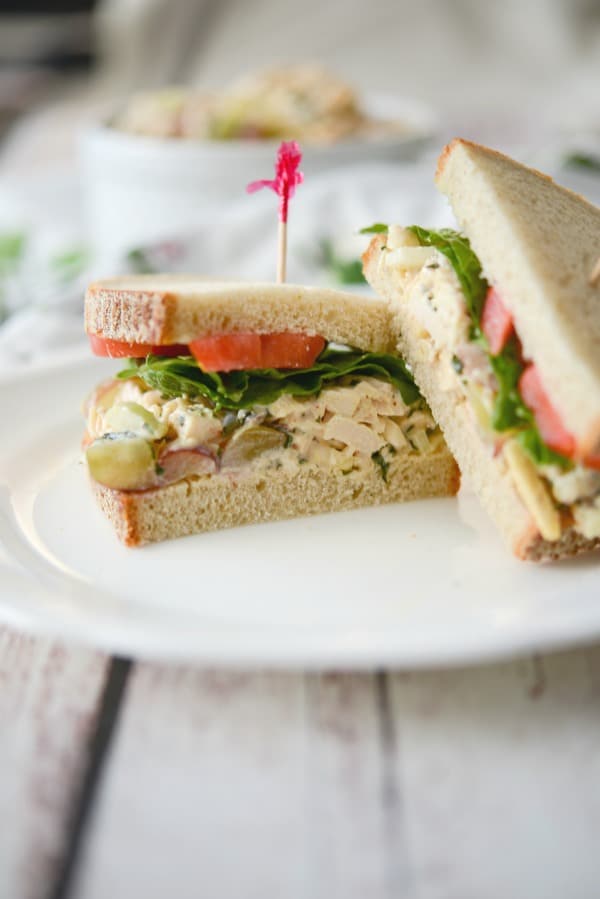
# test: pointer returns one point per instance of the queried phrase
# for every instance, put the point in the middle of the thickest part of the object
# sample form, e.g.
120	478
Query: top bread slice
538	244
168	309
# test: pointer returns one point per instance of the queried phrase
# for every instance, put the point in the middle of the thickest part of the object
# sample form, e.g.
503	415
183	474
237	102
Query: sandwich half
500	324
240	403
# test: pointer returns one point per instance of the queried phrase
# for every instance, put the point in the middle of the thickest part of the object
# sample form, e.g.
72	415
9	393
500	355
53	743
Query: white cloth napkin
41	296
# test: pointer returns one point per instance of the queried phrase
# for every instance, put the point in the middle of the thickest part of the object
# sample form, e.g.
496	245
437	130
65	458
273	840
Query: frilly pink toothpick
287	178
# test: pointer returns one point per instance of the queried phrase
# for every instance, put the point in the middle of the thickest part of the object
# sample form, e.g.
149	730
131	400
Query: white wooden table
124	780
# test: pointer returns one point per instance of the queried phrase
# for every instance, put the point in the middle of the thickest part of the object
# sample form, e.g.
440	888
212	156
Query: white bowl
140	189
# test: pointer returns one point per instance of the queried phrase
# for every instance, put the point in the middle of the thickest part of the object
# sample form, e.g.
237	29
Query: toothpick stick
282	252
287	178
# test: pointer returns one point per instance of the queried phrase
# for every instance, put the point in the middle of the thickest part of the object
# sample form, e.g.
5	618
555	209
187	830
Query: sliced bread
169	309
538	244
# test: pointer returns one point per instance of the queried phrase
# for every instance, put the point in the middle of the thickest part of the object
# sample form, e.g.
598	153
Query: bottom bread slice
212	502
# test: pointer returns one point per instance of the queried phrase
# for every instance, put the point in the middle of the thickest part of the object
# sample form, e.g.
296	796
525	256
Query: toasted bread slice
538	244
169	309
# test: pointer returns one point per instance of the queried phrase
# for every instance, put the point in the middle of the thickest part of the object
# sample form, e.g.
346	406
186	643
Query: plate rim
258	653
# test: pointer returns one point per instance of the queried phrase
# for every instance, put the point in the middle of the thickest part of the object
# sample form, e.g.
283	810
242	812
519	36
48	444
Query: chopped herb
159	469
457	365
382	463
377	228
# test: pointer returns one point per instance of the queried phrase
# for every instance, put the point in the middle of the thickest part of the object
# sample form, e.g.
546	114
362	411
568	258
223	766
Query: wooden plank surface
477	783
255	785
480	783
500	776
48	703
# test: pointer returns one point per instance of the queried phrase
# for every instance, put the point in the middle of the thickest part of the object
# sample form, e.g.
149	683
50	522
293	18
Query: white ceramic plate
420	584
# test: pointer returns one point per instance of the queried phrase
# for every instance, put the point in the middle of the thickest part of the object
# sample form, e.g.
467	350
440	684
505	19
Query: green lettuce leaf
510	412
531	441
457	249
245	389
509	409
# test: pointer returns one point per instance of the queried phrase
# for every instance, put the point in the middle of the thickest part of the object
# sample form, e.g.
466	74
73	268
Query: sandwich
500	324
240	403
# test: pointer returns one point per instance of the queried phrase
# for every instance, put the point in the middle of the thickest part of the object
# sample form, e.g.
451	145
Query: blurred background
521	75
475	60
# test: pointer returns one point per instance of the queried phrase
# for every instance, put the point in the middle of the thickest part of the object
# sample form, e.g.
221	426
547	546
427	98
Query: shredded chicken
342	427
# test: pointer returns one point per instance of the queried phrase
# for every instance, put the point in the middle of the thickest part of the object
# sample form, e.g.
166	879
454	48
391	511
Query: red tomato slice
234	352
289	350
170	349
550	426
118	349
228	352
496	321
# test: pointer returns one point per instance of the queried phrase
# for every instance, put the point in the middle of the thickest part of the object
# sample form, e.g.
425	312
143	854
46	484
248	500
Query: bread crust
212	502
532	547
371	256
117	314
458	142
121	509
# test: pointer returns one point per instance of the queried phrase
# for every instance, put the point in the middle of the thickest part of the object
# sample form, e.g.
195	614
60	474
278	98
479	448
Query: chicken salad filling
144	431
